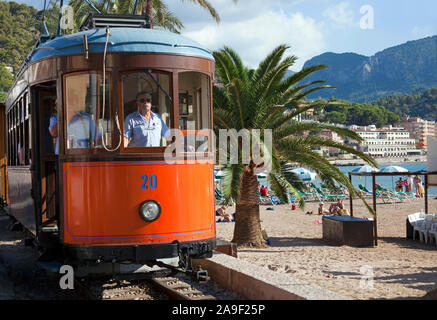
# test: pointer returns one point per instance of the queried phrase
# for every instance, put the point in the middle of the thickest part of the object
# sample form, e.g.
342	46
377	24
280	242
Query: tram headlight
150	210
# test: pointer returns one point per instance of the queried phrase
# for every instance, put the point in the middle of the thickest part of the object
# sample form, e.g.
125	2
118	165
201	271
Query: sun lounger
366	192
219	198
265	200
309	195
330	196
275	200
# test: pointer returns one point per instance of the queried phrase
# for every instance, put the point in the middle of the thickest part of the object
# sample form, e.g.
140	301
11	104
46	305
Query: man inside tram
82	131
144	128
53	127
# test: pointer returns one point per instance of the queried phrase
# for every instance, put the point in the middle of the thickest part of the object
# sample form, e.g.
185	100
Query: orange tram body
86	194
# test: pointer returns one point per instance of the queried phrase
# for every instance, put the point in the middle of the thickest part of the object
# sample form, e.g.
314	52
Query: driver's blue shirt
143	132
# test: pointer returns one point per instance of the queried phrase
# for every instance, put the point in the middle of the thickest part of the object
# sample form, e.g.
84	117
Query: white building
386	142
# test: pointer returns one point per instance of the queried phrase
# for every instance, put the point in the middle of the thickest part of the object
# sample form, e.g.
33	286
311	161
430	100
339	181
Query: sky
254	28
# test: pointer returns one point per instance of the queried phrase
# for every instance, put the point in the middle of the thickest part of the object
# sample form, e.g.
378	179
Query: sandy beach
401	268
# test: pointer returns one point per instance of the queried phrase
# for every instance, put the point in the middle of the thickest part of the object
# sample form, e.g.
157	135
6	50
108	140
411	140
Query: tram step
50	229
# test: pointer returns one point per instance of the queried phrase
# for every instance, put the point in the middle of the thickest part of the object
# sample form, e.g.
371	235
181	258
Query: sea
386	182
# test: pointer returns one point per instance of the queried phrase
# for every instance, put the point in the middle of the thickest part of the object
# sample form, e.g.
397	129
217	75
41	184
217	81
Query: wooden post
426	193
350	197
374	208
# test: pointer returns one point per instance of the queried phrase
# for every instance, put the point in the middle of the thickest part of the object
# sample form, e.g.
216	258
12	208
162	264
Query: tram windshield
85	105
146	109
195	110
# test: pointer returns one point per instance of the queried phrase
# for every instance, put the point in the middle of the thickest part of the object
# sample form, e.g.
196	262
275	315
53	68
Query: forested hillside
359	114
422	104
20	28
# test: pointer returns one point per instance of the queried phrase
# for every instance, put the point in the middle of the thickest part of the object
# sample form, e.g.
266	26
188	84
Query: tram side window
27	131
195	110
146	109
12	136
85	125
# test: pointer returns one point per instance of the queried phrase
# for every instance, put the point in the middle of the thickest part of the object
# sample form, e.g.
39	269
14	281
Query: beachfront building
333	136
386	142
419	130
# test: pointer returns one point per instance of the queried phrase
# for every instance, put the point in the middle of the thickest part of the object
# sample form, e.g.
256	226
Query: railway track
177	286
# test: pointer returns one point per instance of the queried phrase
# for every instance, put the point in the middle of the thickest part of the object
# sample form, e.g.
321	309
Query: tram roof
121	40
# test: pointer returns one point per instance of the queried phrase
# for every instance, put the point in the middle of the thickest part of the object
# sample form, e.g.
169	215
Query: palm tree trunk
147	9
247	229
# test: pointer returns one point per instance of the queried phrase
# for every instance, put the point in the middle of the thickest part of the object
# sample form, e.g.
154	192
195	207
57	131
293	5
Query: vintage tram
87	194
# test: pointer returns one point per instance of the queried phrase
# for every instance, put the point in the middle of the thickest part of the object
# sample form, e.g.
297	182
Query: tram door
3	178
45	184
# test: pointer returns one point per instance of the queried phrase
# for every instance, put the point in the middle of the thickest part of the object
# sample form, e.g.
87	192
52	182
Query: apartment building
386	142
419	130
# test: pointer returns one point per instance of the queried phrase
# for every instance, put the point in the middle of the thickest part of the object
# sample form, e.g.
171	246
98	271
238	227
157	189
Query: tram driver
144	128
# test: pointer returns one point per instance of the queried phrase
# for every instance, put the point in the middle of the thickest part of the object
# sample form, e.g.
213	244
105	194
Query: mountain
402	69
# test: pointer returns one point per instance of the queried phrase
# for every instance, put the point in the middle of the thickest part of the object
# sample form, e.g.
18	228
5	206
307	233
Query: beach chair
423	227
406	195
309	195
275	200
330	196
387	196
219	197
432	233
265	200
365	191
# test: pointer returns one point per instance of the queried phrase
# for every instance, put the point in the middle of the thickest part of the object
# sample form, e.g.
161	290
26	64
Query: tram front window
195	110
146	109
85	123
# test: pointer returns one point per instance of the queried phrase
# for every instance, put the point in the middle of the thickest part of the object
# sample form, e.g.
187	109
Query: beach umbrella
219	174
365	169
394	169
304	174
262	175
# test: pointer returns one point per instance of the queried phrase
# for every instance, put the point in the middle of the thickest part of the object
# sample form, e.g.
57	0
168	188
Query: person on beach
263	191
410	184
223	215
336	208
419	187
399	185
323	210
405	183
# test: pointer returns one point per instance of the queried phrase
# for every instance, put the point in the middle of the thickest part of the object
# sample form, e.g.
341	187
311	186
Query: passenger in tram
82	131
53	127
144	128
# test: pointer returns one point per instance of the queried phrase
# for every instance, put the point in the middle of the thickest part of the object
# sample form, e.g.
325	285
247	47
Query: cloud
257	35
340	14
422	32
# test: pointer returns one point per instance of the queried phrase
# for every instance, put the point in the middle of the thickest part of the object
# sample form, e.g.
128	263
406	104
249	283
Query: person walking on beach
418	186
410	184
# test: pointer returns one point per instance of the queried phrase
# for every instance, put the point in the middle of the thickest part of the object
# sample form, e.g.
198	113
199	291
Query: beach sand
401	268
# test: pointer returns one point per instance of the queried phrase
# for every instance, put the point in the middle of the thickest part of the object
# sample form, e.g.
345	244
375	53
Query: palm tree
149	5
157	11
264	99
